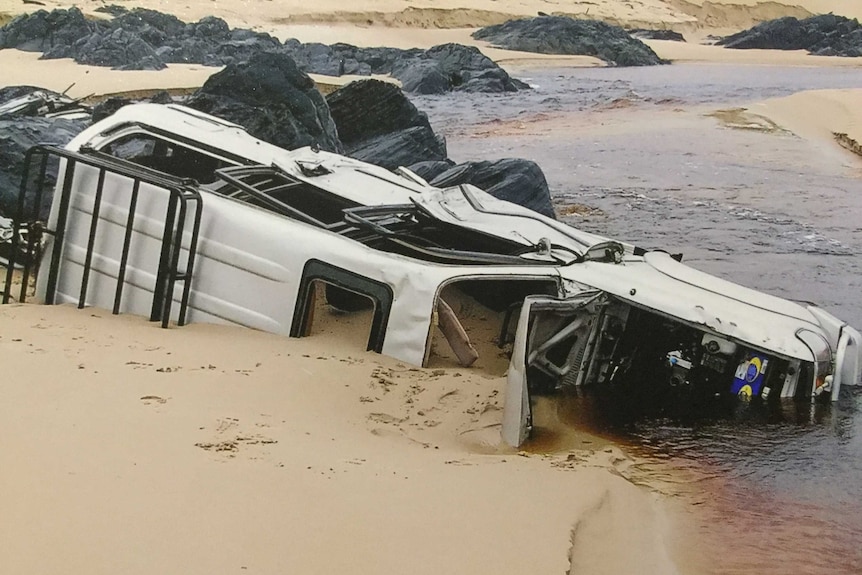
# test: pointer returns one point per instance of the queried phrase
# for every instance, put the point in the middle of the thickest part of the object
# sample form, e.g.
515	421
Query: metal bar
190	262
91	240
164	260
176	247
60	232
127	240
33	228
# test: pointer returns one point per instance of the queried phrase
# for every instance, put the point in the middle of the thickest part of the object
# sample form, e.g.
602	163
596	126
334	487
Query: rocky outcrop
107	107
143	39
430	169
824	35
645	34
272	99
456	67
378	124
16	137
42	31
515	180
437	70
139	39
561	35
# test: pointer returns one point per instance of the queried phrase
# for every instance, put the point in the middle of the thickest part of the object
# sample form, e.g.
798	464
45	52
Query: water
768	492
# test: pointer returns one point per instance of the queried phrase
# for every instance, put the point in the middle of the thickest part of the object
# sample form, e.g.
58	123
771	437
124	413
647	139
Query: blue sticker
750	375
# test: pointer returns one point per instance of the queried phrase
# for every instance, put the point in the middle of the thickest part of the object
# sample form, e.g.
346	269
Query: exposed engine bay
608	342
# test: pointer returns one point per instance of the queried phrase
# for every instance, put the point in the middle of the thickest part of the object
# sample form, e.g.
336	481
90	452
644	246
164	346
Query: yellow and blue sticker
750	375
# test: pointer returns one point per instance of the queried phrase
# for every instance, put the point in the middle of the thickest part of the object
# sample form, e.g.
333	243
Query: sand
202	449
207	449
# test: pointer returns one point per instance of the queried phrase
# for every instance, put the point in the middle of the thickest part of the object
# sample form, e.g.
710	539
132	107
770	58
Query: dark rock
401	148
11	92
378	124
142	39
434	71
452	67
824	35
430	169
120	49
162	97
419	76
518	181
369	108
16	137
41	30
109	106
645	34
272	99
561	35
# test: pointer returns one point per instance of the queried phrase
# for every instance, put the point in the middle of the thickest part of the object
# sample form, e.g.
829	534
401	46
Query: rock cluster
562	35
142	39
272	99
824	35
370	120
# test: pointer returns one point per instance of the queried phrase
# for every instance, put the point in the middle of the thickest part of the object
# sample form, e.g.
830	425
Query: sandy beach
204	449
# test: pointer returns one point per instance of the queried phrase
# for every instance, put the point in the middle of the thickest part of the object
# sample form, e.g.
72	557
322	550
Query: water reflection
774	488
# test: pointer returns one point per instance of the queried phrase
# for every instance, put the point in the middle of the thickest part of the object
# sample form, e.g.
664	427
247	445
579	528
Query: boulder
42	30
430	169
16	137
109	106
378	124
515	180
645	34
368	108
453	67
561	35
420	76
400	148
825	35
272	99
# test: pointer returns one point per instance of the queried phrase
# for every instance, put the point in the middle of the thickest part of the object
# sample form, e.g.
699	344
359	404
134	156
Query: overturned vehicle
163	211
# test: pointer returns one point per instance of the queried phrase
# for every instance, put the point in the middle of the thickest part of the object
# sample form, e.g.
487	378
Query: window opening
166	156
479	307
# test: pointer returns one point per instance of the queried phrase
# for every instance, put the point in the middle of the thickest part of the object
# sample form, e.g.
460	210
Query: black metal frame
182	193
380	293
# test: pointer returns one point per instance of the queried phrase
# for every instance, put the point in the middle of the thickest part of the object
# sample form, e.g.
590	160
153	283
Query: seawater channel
636	154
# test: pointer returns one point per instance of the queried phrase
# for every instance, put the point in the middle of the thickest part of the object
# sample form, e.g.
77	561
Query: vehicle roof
236	141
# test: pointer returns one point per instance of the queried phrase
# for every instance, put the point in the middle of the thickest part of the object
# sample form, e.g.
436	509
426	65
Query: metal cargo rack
184	195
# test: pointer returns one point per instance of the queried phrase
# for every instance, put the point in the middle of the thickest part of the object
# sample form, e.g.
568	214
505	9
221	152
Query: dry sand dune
208	450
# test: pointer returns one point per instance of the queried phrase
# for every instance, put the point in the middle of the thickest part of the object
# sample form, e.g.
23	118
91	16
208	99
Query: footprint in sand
153	399
385	418
235	440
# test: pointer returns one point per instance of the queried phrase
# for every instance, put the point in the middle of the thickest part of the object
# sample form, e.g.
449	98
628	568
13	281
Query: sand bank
820	114
206	449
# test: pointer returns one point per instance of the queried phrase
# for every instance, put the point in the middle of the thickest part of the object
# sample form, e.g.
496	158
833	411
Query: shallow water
772	492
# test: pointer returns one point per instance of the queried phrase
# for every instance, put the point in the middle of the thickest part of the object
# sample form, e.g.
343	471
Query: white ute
166	212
